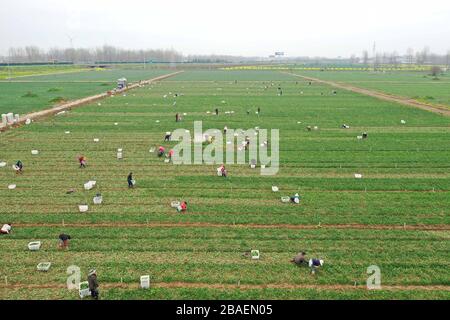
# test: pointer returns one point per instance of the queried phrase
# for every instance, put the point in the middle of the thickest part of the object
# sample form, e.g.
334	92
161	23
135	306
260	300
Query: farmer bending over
161	151
295	199
223	171
64	240
6	229
314	264
182	207
19	167
299	259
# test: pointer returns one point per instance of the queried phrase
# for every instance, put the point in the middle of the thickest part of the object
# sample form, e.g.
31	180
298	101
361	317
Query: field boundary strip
440	109
200	285
43	74
431	227
80	102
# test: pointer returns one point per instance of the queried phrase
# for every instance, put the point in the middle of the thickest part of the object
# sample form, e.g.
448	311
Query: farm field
414	85
33	93
395	217
11	72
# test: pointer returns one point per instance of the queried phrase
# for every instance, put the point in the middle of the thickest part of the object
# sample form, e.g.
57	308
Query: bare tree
435	71
422	56
410	55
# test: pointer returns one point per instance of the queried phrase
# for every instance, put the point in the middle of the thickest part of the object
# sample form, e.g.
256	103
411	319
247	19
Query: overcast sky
238	27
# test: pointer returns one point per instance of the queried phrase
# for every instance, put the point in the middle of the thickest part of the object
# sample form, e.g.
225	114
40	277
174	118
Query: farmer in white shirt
6	229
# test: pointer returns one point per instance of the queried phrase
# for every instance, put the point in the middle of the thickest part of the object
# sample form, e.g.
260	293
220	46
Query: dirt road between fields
80	102
433	227
440	109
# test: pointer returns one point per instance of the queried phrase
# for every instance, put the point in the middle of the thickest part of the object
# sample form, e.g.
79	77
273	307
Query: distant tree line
110	54
107	54
424	56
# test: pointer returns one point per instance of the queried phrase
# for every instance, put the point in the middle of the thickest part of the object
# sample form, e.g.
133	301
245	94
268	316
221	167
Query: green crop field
414	85
36	92
396	217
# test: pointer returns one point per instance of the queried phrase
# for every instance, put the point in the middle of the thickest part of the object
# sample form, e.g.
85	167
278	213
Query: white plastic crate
83	289
28	121
119	155
358	175
285	199
2	164
359	137
89	185
34	152
11	186
145	282
98	200
34	246
275	189
167	160
44	266
96	139
175	204
255	254
83	207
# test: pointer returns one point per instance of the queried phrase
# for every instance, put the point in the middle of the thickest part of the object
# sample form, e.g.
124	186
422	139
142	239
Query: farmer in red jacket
82	161
161	151
182	207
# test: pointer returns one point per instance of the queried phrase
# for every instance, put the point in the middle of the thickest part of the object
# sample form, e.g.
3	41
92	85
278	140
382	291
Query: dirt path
440	109
199	285
435	227
79	102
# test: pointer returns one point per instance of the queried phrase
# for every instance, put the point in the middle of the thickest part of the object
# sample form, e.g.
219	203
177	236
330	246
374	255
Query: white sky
238	27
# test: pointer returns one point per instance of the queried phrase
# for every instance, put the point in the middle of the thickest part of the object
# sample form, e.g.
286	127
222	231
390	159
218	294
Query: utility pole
9	67
374	53
71	46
